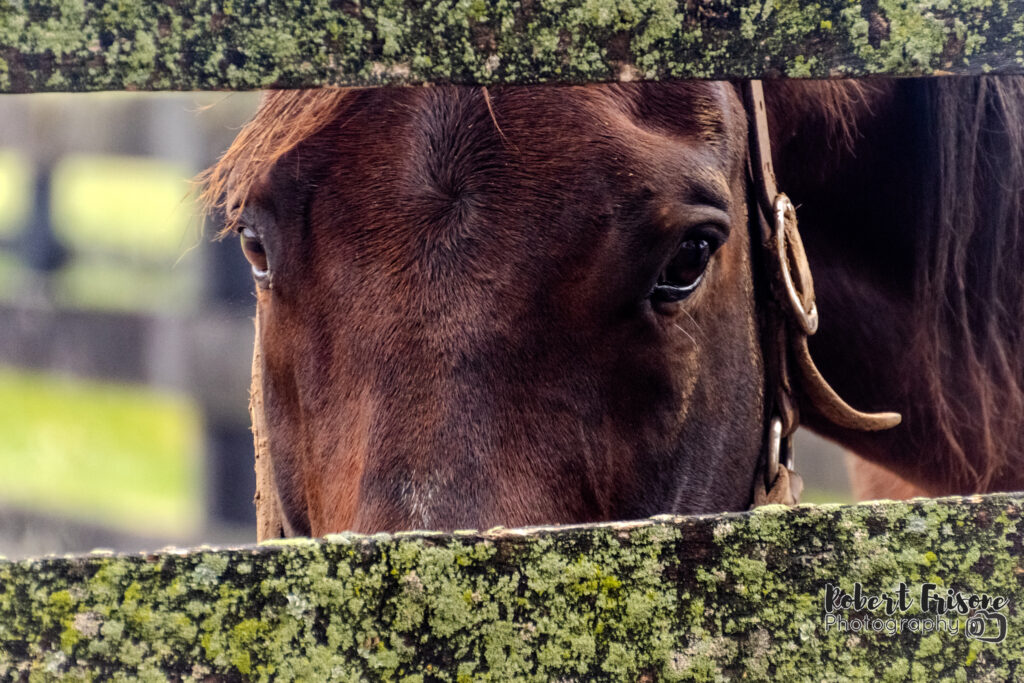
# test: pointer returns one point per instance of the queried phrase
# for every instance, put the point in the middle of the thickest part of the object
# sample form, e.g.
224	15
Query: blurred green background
127	240
110	453
141	211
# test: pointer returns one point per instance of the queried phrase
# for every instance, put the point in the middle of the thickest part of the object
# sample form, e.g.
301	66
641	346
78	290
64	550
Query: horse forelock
285	120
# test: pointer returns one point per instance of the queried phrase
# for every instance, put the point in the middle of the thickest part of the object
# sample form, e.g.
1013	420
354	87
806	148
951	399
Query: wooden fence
61	45
700	598
777	594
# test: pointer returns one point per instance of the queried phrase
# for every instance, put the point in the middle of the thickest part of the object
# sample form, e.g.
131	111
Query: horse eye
253	249
684	273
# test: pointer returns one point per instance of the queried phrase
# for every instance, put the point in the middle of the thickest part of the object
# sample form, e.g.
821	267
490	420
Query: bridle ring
789	249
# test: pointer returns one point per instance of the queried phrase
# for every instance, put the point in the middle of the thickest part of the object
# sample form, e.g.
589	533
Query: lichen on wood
698	598
80	45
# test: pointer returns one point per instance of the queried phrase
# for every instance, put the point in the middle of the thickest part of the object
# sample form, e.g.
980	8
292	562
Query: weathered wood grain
80	45
703	598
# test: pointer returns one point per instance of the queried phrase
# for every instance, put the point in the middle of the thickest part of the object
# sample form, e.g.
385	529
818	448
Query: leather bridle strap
791	316
763	173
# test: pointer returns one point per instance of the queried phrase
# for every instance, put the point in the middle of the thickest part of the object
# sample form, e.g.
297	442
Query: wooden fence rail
699	598
57	45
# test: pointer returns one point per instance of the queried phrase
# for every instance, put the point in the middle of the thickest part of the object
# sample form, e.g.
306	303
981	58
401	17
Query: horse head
518	307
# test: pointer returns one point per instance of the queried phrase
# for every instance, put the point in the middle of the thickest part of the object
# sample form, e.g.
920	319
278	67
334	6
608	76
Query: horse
541	304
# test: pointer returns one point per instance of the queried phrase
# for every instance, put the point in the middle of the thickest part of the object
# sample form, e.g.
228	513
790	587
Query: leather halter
791	316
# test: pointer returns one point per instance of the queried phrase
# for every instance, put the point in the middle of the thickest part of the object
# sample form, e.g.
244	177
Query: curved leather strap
785	490
826	401
792	316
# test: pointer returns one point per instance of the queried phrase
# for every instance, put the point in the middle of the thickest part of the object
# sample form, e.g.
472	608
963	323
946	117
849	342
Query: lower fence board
670	598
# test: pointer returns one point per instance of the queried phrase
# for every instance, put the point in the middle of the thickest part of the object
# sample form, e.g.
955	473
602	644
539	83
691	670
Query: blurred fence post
41	249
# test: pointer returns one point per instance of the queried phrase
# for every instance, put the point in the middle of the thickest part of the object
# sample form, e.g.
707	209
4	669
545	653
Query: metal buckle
780	451
789	251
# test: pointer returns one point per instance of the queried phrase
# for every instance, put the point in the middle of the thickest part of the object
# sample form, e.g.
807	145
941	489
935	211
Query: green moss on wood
78	45
706	598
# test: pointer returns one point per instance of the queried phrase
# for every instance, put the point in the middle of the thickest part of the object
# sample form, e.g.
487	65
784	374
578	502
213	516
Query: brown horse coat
458	328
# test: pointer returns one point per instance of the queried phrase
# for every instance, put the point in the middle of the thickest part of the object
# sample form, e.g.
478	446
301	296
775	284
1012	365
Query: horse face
533	306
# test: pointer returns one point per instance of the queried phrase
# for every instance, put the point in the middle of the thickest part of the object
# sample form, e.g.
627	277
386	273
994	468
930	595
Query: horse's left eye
253	249
684	273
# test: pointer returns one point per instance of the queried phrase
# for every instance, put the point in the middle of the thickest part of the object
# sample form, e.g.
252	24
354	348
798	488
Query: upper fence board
71	45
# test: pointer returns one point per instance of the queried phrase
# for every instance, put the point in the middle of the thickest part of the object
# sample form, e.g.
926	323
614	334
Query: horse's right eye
252	247
682	276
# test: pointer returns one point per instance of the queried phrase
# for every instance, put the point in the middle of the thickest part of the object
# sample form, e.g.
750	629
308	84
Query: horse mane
965	138
969	288
283	121
823	117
